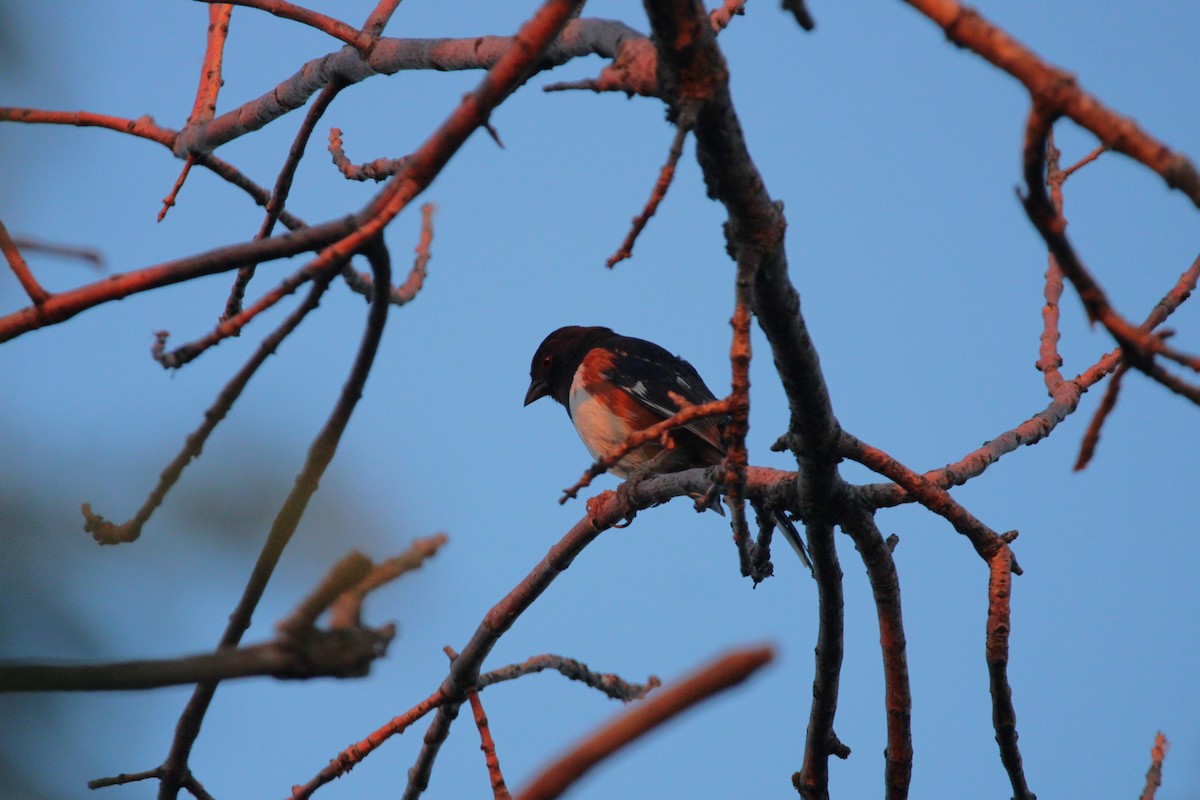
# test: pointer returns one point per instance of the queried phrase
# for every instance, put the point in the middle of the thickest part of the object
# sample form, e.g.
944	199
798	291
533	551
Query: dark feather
651	375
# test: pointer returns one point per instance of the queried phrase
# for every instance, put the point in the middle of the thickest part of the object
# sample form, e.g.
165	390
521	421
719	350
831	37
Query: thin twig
378	170
724	673
205	106
1091	437
736	457
105	532
87	254
1057	90
651	434
279	195
885	587
326	24
1004	716
1049	360
721	16
1138	345
169	200
1154	775
346	610
488	746
665	176
403	293
320	454
17	263
611	685
985	540
1040	425
801	13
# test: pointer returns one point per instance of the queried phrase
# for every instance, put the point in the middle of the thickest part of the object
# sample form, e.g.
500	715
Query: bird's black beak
537	389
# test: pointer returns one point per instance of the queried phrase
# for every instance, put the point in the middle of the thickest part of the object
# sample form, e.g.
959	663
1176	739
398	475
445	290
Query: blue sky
896	155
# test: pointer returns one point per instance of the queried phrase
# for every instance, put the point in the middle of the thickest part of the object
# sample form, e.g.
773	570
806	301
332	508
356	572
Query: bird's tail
793	536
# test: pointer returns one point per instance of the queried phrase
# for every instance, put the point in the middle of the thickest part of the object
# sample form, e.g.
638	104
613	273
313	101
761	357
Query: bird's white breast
600	429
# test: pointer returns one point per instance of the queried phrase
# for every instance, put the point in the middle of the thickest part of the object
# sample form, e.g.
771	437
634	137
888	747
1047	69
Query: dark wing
652	375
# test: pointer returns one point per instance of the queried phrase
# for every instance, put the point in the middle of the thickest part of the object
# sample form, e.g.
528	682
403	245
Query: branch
578	38
605	511
346	610
64	305
279	195
87	254
609	684
1004	717
1040	425
335	28
378	170
17	263
1138	346
724	673
300	651
407	291
1057	91
205	107
145	128
320	454
752	564
105	532
499	789
344	653
885	586
1091	437
1154	774
820	741
655	432
665	176
986	541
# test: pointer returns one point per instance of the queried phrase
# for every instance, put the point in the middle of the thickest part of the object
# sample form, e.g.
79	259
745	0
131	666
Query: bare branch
378	170
1057	91
105	532
320	454
499	789
279	195
87	254
1091	436
986	541
64	305
1138	346
17	263
800	12
405	292
343	653
205	107
346	610
611	685
335	28
724	673
1154	775
1004	717
885	586
665	176
655	432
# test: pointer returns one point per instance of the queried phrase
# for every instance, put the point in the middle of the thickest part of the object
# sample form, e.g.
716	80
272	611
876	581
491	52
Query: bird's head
554	364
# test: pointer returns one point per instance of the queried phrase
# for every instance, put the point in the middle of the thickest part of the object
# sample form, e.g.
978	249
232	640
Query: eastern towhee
613	386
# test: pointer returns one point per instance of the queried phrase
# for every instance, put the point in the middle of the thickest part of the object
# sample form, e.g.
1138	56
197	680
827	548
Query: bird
613	386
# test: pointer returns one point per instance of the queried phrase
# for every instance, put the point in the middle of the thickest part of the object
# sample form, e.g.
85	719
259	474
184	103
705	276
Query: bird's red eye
547	361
